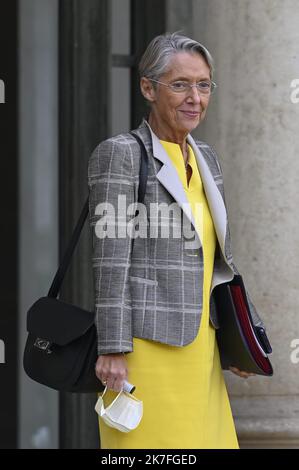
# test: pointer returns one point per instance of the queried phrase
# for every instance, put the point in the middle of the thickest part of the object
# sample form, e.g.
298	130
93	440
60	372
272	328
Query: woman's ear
147	89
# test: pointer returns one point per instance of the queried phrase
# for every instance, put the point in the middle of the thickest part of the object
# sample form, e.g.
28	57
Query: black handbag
61	346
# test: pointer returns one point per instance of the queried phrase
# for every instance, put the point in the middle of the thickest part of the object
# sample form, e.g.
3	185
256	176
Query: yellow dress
185	400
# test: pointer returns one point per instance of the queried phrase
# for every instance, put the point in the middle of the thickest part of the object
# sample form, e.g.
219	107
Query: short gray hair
161	49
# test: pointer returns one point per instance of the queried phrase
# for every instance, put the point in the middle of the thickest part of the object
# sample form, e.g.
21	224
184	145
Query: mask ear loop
100	409
101	402
122	391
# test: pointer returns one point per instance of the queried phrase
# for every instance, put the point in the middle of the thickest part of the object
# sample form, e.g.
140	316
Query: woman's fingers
118	385
241	373
111	370
111	384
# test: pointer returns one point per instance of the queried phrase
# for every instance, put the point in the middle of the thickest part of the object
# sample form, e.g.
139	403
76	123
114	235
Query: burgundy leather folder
241	344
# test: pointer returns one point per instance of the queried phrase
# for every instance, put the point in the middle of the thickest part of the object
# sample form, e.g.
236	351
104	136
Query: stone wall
253	125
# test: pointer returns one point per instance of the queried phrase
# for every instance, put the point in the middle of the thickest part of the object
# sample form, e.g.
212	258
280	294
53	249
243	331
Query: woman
155	314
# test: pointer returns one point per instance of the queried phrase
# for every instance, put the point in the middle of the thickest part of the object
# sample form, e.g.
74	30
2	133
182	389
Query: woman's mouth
191	114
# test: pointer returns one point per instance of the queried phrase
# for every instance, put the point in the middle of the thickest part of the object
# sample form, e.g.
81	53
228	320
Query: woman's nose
195	94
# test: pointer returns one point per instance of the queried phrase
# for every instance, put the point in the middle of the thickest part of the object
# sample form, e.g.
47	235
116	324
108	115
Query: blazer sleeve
110	174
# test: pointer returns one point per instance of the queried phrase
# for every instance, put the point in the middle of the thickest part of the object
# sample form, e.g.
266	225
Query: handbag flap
57	321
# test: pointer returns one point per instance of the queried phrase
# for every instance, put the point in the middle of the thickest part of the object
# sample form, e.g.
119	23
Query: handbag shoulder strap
143	172
59	276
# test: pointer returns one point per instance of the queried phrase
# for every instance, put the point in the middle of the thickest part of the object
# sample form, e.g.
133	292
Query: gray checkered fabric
155	290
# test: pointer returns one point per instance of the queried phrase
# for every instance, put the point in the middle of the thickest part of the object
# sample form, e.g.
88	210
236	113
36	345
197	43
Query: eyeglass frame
169	85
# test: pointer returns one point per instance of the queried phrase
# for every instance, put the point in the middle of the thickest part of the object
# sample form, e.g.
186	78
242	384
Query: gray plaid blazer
155	290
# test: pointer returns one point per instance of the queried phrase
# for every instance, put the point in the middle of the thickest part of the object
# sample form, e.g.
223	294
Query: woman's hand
241	373
111	370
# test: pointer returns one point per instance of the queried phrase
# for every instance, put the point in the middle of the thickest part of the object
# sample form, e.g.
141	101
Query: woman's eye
179	85
204	84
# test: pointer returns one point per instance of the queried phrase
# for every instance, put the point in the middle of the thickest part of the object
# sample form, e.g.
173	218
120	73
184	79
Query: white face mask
124	413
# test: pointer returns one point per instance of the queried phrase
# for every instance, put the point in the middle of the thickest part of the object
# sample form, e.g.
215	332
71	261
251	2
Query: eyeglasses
204	87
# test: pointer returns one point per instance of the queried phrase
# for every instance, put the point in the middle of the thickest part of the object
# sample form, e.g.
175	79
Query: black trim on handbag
61	347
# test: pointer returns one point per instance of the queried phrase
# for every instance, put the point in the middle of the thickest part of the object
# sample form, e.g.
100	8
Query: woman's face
180	112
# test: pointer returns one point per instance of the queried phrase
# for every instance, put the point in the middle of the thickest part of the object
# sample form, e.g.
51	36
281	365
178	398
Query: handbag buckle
43	345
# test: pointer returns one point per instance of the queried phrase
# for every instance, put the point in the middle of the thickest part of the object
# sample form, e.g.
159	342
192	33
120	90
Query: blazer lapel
169	178
215	201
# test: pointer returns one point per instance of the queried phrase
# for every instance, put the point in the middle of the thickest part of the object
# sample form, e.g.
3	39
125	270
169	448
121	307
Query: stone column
85	120
253	125
37	187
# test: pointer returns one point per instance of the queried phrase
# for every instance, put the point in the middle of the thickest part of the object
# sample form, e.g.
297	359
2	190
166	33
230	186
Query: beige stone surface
253	125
